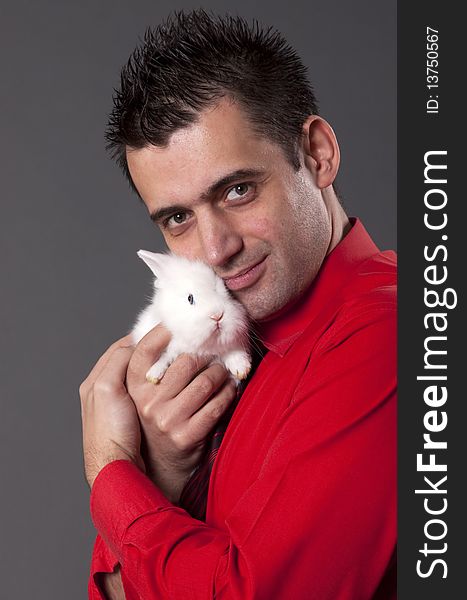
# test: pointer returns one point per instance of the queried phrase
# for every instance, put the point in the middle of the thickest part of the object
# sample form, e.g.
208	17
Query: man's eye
176	219
238	191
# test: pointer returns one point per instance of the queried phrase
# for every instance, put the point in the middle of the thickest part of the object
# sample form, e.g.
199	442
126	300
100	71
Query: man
216	128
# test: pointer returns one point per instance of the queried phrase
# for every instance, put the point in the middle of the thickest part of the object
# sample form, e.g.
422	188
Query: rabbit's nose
218	316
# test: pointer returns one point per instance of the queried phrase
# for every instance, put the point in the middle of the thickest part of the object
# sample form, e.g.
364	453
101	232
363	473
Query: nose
218	316
218	236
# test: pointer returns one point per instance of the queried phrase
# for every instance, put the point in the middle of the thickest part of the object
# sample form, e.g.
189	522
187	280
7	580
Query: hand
176	414
111	429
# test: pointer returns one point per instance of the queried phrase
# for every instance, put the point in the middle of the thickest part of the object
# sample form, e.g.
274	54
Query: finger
207	417
181	373
122	342
197	393
100	364
147	352
112	377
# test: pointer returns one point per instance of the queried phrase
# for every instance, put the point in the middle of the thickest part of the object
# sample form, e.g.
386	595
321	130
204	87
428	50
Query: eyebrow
158	215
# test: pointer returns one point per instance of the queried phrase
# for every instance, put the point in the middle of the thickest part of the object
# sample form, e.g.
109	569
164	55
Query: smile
247	277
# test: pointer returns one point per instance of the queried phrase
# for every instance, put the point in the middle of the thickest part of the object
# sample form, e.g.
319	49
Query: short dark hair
192	60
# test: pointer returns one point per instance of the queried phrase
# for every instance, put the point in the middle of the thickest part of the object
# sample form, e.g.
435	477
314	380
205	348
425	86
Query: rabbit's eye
191	300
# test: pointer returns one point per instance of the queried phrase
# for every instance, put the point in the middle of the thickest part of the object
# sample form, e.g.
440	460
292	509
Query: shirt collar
280	333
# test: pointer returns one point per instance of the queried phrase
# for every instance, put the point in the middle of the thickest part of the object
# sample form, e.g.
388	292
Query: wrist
170	481
117	453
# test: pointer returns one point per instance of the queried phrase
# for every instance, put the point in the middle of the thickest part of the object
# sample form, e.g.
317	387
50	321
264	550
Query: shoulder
369	300
372	292
365	307
374	280
353	358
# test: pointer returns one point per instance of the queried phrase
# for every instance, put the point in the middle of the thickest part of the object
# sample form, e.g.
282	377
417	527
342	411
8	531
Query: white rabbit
192	302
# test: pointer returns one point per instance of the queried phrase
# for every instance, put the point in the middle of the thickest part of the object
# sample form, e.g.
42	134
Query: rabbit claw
238	363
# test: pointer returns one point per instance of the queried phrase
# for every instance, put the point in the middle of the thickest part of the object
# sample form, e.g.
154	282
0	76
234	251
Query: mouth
216	331
246	277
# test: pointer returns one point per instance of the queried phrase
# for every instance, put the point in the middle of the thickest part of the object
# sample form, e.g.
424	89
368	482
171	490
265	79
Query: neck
340	224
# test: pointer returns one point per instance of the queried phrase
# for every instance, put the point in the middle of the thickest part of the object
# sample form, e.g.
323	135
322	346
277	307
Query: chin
259	314
266	310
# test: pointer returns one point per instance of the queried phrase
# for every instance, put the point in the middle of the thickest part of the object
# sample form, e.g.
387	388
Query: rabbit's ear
158	263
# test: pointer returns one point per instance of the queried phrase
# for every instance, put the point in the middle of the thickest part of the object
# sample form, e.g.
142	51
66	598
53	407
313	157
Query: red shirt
302	496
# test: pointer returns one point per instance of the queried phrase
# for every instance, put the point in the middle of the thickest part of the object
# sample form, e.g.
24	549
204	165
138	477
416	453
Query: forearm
163	551
111	586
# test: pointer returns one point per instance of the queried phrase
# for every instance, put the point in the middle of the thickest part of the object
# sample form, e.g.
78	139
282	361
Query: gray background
70	228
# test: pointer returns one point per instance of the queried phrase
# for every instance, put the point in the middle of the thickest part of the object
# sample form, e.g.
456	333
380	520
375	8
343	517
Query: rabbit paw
156	372
238	363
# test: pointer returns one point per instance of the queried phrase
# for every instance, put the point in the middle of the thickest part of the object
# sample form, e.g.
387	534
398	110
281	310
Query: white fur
192	328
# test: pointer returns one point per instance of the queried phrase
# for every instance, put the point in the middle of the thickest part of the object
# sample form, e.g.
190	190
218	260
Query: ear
156	262
321	150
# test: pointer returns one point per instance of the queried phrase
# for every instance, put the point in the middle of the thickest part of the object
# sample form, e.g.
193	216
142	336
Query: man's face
221	194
